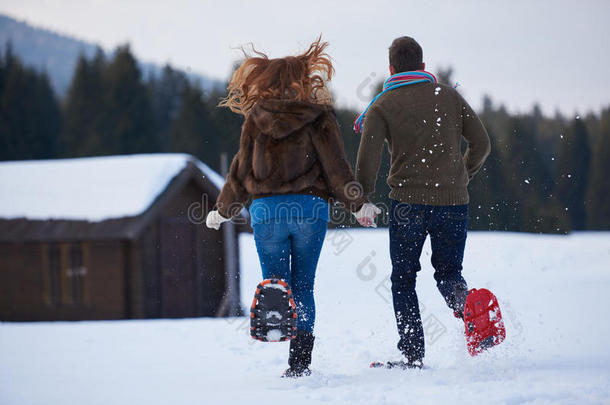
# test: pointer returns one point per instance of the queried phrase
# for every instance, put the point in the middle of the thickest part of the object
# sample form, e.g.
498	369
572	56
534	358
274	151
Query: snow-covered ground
554	292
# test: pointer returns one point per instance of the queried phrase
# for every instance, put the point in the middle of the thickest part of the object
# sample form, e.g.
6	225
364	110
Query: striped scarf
394	82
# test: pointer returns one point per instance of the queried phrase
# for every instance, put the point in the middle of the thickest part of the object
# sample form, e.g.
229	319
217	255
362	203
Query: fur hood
280	118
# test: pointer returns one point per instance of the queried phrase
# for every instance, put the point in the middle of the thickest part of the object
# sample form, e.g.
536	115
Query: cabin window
54	275
76	274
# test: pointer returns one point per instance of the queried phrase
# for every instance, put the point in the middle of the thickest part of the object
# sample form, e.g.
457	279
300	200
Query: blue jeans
289	248
409	226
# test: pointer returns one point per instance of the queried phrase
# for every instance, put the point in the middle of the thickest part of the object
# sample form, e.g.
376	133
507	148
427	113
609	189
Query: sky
553	53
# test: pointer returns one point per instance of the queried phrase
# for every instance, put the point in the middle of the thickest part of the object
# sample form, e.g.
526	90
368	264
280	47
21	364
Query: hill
57	54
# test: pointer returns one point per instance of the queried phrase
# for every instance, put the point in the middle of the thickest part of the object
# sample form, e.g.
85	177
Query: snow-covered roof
92	189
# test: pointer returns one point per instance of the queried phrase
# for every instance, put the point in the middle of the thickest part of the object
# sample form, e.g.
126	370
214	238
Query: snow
273	314
276	286
93	189
274	335
553	293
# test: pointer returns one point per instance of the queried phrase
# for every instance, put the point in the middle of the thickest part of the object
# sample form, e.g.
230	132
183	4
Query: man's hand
366	215
214	219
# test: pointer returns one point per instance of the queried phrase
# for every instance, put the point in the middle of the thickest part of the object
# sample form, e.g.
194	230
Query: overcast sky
555	53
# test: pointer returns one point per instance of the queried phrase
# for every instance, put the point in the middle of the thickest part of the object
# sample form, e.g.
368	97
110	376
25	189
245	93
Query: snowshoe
484	327
273	315
405	365
293	372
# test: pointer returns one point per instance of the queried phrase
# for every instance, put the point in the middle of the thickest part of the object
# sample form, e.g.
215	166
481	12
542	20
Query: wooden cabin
115	237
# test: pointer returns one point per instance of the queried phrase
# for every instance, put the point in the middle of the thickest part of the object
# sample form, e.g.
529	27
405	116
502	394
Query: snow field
554	293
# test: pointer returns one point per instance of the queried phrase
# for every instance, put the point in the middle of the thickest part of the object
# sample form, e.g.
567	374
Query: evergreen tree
191	131
531	205
226	129
46	114
598	193
30	119
572	172
488	196
167	93
127	113
82	133
445	76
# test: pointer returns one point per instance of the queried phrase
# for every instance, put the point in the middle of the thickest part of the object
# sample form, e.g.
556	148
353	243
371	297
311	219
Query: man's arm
331	153
478	141
374	134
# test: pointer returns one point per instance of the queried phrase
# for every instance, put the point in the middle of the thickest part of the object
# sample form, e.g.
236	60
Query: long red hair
302	77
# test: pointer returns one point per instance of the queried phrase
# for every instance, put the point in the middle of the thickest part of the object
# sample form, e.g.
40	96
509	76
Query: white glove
214	219
366	215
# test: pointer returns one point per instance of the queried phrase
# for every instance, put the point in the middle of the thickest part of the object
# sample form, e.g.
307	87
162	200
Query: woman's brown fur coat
289	147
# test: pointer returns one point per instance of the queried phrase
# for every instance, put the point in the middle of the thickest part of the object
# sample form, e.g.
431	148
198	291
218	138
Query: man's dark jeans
409	226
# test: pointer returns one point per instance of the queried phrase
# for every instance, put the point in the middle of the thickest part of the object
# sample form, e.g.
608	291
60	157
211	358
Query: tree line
545	174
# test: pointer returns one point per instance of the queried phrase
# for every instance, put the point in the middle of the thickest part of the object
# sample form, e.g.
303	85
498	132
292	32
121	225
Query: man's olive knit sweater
423	125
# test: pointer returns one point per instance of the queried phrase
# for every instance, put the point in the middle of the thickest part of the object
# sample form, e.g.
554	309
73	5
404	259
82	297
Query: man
423	123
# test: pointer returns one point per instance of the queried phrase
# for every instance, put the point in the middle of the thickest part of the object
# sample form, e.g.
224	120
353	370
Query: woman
292	163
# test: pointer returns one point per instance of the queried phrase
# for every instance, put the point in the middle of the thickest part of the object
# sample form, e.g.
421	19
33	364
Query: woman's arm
233	194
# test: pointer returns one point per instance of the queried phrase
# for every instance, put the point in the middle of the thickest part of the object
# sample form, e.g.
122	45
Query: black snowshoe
401	364
273	315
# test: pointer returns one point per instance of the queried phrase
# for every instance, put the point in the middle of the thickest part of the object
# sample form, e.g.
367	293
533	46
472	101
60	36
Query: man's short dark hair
405	54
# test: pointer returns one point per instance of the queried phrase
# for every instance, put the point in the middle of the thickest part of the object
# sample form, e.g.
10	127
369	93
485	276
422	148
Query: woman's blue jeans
289	248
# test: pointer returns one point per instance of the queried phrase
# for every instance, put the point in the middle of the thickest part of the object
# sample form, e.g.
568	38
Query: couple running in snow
291	162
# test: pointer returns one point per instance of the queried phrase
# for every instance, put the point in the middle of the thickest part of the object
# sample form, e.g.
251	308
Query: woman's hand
366	215
214	219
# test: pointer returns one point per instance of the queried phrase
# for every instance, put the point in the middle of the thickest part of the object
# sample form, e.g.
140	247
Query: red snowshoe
483	321
273	315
